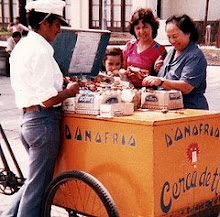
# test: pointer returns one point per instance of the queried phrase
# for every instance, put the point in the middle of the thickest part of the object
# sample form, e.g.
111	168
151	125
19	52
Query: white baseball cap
49	7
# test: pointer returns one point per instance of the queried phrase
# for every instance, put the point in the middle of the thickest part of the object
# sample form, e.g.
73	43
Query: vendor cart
153	163
150	164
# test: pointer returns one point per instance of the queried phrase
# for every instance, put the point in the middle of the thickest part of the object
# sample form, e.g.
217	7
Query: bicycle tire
93	190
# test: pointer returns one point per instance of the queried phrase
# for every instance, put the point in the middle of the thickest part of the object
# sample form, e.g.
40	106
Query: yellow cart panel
152	163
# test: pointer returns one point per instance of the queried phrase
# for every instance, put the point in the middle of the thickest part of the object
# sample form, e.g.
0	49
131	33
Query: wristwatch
161	81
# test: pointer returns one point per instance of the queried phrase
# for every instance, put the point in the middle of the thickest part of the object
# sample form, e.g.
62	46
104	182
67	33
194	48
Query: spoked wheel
78	194
8	183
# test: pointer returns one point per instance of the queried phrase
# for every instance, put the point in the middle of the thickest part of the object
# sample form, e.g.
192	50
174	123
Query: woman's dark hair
145	15
186	25
34	18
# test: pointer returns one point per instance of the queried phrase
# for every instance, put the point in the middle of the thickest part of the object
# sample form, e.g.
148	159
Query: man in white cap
37	82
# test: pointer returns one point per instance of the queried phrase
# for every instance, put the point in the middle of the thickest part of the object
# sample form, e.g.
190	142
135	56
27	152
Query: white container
111	110
88	102
69	104
162	99
116	109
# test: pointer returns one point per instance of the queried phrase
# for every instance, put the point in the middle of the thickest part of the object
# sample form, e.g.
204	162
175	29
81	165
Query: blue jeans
40	134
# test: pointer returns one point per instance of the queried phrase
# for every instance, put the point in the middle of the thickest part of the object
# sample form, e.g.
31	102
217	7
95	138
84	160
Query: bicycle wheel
78	194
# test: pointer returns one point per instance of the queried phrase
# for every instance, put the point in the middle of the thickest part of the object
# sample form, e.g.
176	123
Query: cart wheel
78	194
8	183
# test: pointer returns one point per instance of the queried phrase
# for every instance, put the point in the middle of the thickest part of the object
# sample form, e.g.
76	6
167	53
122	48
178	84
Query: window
111	14
5	11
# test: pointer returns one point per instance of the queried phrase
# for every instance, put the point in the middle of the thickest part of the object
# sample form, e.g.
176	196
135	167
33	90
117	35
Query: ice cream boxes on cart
106	104
161	99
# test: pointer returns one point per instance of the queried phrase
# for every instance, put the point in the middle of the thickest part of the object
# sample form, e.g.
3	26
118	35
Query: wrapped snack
101	77
131	96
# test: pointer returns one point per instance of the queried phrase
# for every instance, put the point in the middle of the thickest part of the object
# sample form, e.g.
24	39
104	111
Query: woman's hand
167	84
157	65
136	75
152	81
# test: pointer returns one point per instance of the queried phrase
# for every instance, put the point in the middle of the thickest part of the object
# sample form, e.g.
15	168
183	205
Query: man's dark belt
34	108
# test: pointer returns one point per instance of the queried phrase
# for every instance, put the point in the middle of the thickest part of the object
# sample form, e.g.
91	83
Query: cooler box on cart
152	163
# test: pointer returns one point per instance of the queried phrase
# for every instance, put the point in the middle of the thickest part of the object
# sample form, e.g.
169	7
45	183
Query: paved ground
9	118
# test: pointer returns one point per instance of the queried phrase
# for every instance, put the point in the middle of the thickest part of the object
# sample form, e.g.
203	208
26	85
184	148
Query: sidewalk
9	119
10	116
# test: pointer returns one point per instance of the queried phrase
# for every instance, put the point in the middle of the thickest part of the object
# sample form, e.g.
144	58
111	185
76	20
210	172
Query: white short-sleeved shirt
10	44
35	75
18	28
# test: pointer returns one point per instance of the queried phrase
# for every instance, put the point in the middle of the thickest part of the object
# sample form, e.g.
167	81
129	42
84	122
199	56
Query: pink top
145	59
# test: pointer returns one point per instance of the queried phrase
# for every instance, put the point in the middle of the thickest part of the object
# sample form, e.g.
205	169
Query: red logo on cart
193	152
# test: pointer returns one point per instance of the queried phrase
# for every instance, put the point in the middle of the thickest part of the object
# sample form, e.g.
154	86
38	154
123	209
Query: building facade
115	14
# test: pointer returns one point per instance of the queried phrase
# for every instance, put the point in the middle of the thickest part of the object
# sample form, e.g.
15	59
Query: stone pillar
79	13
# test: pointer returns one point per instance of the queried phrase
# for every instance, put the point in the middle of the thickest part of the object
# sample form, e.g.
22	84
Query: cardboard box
69	104
111	110
127	108
116	109
88	102
162	99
